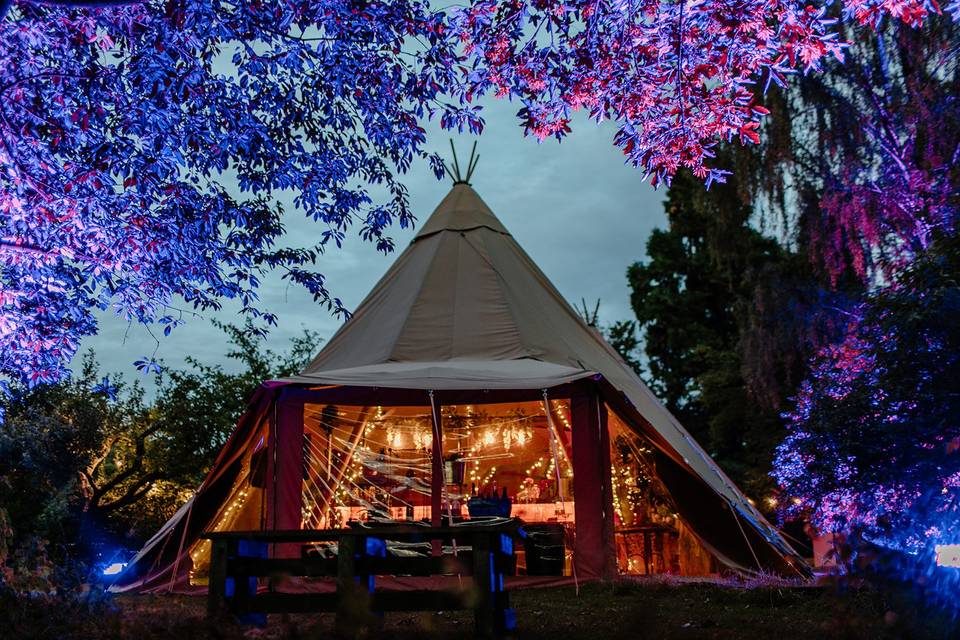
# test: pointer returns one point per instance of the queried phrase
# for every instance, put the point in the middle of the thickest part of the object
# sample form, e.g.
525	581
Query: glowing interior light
114	568
948	555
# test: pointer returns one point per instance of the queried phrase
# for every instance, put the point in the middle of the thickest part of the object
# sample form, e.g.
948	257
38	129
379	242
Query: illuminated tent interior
464	387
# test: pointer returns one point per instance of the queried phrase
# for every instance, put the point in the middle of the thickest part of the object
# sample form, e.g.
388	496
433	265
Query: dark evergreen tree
623	336
692	299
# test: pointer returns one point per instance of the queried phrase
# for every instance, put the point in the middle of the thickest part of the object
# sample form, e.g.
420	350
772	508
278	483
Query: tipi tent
462	376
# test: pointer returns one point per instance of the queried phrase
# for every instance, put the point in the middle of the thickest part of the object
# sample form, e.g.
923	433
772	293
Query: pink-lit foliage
873	441
888	145
676	75
142	147
873	445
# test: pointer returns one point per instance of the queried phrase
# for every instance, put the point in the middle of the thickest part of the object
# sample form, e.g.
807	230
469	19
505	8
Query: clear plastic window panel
651	538
509	460
244	508
366	464
499	460
513	460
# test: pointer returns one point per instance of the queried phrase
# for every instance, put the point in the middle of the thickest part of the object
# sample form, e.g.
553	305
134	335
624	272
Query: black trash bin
544	550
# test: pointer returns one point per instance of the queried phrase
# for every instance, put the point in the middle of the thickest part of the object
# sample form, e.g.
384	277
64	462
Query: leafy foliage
143	145
860	162
873	440
87	459
857	169
863	170
677	76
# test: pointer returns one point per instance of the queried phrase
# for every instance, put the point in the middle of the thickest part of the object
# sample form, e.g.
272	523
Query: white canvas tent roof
464	307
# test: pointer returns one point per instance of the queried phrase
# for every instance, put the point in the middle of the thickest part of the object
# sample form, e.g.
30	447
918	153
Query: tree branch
14	245
127	473
133	493
70	4
96	462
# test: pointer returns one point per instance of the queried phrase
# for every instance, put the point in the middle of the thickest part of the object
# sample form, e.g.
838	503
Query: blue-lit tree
874	439
141	145
872	444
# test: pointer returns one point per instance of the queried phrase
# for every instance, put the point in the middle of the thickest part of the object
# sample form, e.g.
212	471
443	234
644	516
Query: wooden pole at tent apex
455	174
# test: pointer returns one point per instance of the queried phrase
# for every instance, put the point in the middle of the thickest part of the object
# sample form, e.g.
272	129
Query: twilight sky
579	212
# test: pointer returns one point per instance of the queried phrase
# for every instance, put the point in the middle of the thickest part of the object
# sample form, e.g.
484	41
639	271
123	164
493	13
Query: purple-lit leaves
873	441
142	147
677	76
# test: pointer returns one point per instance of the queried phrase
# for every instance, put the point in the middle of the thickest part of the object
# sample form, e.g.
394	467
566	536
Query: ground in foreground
637	610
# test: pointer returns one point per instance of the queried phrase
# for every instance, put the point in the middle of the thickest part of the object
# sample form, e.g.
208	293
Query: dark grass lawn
605	612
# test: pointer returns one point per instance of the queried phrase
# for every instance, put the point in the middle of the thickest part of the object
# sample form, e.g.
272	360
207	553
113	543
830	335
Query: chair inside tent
464	389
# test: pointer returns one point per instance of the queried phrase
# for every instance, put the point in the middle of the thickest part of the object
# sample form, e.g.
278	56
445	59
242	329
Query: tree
677	76
690	299
623	337
861	163
215	397
142	143
873	443
853	169
90	457
872	198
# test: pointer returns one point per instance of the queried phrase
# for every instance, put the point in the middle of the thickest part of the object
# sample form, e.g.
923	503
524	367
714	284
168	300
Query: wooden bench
239	558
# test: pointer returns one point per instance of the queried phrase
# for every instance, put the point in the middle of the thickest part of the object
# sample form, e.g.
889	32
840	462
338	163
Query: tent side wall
277	415
735	538
719	526
163	564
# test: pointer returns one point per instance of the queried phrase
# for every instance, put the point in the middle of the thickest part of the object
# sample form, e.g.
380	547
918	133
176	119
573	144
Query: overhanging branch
13	245
73	4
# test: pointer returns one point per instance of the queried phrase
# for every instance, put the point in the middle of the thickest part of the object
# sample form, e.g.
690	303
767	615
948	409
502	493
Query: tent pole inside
436	473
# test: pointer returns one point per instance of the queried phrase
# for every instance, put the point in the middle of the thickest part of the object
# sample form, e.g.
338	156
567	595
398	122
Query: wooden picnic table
239	558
